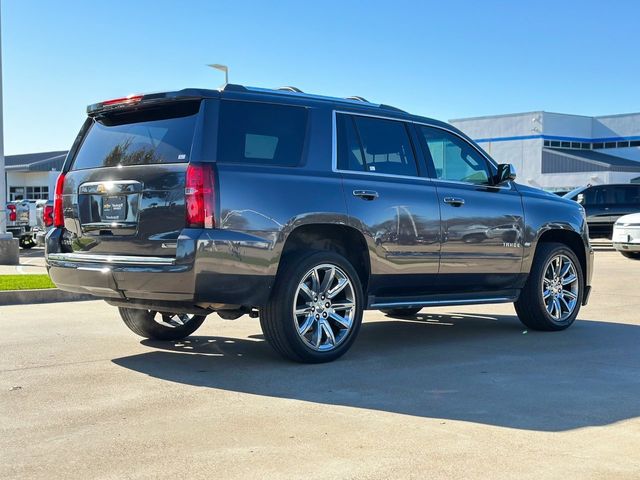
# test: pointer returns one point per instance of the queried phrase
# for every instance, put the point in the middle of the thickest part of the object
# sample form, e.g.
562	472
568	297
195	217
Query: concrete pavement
455	393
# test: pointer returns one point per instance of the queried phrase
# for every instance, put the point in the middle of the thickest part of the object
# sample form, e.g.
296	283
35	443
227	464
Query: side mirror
580	198
506	172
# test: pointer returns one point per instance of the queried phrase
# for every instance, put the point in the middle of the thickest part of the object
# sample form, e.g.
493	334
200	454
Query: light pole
9	253
3	183
222	68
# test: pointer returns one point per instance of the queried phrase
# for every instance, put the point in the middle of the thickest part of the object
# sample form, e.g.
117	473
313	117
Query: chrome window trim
110	259
334	149
334	152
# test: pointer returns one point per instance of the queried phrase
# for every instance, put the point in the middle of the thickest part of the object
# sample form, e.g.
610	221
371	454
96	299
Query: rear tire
552	296
401	312
315	310
26	244
160	326
632	255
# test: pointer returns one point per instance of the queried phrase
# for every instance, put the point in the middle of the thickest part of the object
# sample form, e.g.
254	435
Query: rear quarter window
261	133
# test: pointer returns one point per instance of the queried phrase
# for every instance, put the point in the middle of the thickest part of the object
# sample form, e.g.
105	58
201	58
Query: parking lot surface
454	393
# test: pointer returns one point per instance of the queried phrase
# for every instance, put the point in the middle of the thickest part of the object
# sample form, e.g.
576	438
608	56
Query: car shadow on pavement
475	368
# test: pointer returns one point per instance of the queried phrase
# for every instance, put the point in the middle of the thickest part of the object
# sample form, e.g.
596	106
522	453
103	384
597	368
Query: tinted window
595	196
632	194
349	151
384	145
627	194
455	159
261	133
156	135
612	195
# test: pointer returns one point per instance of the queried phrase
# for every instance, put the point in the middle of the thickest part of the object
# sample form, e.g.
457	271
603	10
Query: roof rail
359	99
289	88
382	105
234	87
391	107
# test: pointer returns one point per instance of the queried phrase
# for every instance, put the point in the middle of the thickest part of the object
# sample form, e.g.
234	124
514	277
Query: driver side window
454	159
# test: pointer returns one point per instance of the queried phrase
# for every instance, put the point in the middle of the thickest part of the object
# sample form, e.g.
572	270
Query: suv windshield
153	135
573	193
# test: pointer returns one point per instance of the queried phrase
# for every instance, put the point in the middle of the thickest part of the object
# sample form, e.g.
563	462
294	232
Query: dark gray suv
304	211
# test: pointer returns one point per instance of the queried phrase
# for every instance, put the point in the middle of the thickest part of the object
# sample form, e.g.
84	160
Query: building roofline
52	153
485	117
617	115
27	166
502	115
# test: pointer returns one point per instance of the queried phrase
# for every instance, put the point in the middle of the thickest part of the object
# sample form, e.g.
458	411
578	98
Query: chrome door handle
366	194
454	201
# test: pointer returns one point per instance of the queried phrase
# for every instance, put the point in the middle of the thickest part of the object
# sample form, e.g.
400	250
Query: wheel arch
342	239
571	239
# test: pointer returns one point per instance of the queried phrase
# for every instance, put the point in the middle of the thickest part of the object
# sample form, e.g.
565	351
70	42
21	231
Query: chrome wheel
172	320
324	307
560	287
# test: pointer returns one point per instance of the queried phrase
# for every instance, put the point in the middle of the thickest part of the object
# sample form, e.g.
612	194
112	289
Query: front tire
632	255
552	296
315	310
160	326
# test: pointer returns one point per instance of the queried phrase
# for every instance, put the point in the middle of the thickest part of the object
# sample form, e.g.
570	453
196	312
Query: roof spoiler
142	100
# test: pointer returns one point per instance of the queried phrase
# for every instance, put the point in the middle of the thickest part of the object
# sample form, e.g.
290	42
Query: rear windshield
152	135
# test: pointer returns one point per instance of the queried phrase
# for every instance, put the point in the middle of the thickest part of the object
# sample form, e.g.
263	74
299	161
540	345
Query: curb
45	295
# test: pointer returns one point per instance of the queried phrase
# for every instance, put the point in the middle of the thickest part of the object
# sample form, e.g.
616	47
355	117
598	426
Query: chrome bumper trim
110	259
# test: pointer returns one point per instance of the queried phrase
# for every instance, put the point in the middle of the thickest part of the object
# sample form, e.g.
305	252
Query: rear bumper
19	230
208	268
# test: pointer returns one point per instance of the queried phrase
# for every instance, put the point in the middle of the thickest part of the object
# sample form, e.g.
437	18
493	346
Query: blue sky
443	59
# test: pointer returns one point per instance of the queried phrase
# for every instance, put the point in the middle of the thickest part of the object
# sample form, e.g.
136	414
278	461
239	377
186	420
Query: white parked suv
626	235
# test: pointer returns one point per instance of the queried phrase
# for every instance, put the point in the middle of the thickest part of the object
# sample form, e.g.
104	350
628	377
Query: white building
557	151
33	175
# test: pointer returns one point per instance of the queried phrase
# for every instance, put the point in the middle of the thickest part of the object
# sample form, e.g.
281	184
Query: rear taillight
199	195
58	215
47	215
12	212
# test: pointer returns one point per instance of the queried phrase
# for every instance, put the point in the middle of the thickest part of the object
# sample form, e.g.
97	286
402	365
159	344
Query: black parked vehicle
305	211
604	204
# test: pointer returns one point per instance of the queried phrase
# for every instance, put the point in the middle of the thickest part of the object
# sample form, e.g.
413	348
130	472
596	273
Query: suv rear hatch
124	190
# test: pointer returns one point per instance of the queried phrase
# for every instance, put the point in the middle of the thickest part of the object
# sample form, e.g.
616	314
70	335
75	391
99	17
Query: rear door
390	200
124	188
482	224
